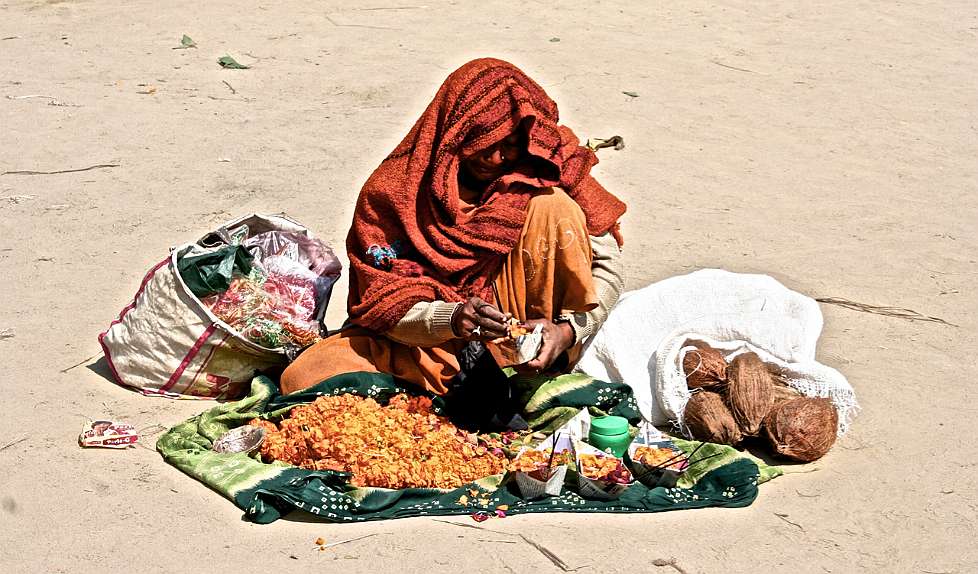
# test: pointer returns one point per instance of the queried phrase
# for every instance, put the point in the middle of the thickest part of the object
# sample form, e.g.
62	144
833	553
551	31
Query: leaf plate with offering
540	471
600	475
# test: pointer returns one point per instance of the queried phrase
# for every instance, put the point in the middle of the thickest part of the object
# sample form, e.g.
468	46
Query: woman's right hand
476	319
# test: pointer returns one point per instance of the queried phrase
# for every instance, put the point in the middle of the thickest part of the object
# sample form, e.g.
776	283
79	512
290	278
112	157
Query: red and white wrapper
108	434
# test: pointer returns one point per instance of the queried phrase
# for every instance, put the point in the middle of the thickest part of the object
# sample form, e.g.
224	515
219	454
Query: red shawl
410	242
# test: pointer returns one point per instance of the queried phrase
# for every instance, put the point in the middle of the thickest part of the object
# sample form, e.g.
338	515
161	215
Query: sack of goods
243	298
727	358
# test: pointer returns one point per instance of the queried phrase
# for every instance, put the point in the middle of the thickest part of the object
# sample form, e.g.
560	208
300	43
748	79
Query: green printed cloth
267	491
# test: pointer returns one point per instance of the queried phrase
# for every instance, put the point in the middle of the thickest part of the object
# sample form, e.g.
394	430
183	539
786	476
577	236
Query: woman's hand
557	338
476	319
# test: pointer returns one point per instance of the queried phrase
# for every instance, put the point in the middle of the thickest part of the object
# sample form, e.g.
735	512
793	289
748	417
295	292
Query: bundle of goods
603	467
401	445
266	281
538	462
600	474
660	457
269	309
740	399
541	471
655	460
268	287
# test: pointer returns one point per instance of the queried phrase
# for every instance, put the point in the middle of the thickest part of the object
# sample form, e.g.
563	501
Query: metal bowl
245	438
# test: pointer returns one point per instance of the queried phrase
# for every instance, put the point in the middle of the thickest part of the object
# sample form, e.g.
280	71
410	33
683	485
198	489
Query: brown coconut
709	419
704	366
750	392
802	429
782	393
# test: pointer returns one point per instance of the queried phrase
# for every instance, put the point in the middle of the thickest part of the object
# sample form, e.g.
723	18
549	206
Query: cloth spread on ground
411	240
267	491
642	342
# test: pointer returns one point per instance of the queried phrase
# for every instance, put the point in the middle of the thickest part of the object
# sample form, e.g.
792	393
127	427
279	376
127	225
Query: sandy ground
832	147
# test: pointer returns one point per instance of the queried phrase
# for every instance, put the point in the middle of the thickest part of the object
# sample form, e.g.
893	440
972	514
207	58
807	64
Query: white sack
641	343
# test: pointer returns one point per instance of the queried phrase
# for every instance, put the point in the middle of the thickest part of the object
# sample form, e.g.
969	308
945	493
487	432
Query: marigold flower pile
401	445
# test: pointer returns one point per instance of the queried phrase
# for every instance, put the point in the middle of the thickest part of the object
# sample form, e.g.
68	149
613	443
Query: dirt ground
832	145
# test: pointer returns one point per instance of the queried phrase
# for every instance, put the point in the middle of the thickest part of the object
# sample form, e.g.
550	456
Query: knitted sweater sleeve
608	273
426	324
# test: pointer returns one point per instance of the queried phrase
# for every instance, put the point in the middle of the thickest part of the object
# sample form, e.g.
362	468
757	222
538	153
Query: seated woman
485	211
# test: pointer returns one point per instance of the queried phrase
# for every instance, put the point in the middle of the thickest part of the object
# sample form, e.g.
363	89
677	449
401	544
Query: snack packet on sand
107	434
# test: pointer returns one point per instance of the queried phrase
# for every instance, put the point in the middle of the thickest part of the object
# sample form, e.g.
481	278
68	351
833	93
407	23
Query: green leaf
187	42
631	94
230	63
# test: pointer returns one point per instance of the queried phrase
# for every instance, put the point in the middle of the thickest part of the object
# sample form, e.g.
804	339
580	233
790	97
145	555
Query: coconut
782	393
704	366
802	429
708	419
750	392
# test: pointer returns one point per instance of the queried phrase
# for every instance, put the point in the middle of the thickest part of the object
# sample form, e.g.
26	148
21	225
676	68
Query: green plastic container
610	433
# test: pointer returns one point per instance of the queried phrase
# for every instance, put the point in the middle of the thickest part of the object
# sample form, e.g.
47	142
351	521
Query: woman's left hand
557	338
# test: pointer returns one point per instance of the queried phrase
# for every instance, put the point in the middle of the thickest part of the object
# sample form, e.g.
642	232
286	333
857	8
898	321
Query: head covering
411	241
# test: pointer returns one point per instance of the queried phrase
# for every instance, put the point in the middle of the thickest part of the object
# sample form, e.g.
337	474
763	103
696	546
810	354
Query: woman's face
496	160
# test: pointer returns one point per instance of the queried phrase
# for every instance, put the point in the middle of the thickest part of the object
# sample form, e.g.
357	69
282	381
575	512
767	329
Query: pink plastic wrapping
280	303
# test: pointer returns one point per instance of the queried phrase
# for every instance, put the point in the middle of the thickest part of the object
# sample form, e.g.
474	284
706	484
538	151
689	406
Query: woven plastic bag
167	343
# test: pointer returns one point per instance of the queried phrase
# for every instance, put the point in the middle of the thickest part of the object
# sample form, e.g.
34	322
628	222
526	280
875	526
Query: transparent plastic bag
280	302
269	309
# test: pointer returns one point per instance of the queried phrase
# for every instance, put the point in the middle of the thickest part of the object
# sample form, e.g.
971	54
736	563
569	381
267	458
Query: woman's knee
554	201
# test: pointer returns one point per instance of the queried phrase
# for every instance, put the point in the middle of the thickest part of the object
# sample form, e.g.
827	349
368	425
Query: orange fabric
548	273
359	350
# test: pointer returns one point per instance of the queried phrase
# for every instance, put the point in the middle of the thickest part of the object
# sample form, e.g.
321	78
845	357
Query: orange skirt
547	274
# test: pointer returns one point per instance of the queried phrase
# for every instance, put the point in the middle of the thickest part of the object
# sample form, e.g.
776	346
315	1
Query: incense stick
553	452
708	457
662	466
